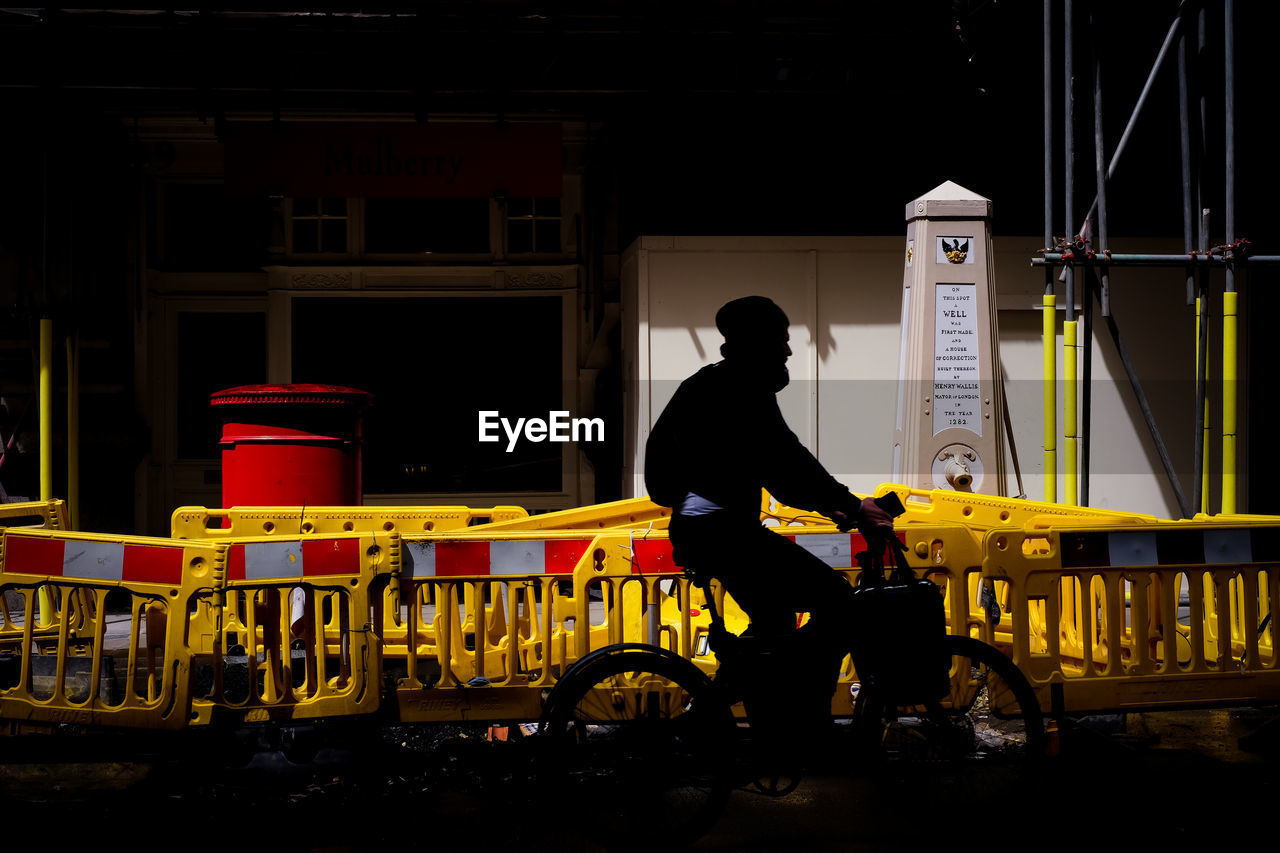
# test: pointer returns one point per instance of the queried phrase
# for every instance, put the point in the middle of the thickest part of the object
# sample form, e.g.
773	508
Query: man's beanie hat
750	317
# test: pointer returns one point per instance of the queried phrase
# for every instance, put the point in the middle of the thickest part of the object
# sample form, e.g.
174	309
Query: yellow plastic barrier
983	512
197	522
489	620
107	654
633	512
48	515
1128	647
1078	599
288	614
283	629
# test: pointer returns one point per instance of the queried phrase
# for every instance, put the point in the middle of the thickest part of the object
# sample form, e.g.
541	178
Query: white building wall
843	295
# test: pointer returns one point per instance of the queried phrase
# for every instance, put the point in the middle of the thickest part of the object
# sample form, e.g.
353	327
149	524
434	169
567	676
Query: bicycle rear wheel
642	743
991	712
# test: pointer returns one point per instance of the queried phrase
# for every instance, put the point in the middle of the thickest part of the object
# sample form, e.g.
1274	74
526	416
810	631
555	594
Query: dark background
709	118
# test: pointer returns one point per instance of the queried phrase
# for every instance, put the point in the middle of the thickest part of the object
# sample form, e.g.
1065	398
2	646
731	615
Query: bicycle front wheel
991	712
643	744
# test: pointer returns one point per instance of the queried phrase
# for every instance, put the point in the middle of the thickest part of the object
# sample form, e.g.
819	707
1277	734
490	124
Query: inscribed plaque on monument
956	398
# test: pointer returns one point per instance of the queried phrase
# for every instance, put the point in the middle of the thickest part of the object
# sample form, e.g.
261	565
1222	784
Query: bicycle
654	746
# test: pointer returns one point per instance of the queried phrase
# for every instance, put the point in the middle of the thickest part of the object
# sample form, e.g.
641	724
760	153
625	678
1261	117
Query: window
439	362
319	226
458	226
460	229
533	226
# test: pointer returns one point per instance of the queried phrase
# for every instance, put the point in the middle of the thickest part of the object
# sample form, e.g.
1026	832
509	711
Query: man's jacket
722	437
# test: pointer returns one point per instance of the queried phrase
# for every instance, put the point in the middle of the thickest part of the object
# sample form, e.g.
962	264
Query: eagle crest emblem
955	251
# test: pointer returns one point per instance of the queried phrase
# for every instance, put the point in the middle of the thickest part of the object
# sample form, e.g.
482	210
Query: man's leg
773	580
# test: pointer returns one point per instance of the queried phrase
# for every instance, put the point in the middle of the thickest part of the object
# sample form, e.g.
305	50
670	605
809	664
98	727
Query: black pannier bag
900	630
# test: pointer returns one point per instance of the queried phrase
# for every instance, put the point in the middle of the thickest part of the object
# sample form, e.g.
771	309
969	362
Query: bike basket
900	633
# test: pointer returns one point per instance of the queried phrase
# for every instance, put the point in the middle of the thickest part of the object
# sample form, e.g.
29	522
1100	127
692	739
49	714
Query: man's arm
798	479
870	519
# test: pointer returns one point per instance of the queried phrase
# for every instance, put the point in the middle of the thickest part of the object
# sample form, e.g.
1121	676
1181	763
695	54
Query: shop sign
394	160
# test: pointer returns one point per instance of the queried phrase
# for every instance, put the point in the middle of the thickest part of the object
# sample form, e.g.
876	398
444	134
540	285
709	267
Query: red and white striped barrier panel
1197	546
257	561
837	550
92	559
501	557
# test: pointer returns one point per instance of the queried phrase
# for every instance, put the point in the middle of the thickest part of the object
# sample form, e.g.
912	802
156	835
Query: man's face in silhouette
773	348
765	352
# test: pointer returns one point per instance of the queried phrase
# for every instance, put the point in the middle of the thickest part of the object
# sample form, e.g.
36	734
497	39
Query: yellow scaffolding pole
46	409
1071	438
1050	402
1229	353
45	400
1204	432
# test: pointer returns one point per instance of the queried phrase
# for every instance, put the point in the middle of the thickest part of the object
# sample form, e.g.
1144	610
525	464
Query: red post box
291	445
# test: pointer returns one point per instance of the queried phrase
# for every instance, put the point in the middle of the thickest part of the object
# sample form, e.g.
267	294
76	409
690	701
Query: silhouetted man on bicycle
719	440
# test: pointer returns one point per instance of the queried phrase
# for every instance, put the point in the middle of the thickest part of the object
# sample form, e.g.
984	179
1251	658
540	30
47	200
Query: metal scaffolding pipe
1100	243
1142	259
1069	495
1048	127
46	408
1149	417
1190	200
1142	96
45	384
1230	352
1049	332
1070	428
1184	123
1201	439
1049	329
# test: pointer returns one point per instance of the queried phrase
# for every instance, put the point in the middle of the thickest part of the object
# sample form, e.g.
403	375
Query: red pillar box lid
300	409
291	445
302	394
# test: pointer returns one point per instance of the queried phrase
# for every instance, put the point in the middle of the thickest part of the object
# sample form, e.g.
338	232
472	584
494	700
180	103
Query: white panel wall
843	298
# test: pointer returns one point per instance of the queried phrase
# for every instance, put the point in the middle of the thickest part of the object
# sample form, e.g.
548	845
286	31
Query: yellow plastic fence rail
111	650
283	630
197	522
977	511
633	512
983	512
1133	644
45	514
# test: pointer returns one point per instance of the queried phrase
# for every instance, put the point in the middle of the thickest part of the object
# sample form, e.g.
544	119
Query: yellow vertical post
45	401
1050	402
73	427
46	409
1204	432
1070	438
1229	343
